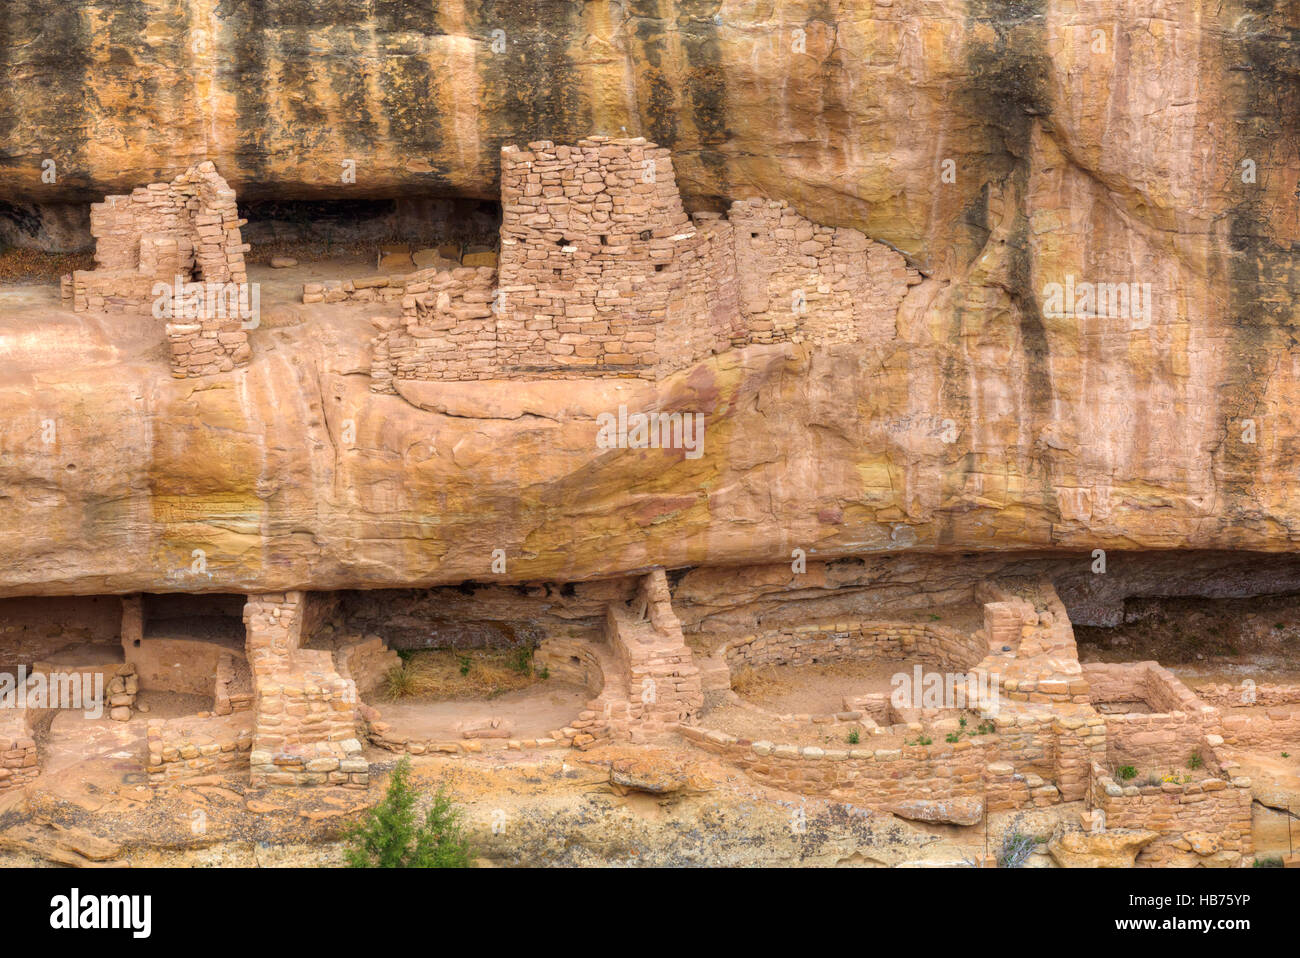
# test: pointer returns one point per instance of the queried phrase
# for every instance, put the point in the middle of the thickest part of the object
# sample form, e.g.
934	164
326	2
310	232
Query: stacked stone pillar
305	730
662	680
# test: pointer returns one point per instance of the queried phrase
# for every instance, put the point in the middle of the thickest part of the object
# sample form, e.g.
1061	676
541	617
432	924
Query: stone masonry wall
197	745
18	759
1004	622
799	280
187	228
918	642
1273	727
1195	821
875	778
1039	756
1234	696
1256	716
306	713
662	680
1252	694
447	330
233	685
1042	665
602	273
1047	734
1162	738
366	663
598	257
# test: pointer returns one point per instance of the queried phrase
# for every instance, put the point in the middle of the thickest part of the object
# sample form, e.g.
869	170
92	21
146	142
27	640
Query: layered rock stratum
1154	143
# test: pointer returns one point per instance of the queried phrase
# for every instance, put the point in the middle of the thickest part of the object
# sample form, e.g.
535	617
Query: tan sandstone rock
1111	849
948	811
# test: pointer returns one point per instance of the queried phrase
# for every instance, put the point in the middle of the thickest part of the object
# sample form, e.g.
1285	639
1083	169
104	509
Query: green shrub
1194	761
1127	773
521	660
466	663
1272	861
853	737
391	836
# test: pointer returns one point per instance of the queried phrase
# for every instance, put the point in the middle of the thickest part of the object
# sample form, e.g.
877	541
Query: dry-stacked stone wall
186	230
1205	819
800	280
306	718
918	642
19	764
602	273
1164	722
197	745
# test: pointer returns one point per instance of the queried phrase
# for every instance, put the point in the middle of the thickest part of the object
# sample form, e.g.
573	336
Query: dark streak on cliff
706	88
1006	91
648	48
411	84
531	90
43	46
1263	260
245	22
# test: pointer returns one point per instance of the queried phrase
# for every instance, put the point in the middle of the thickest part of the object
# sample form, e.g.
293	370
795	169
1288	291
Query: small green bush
521	660
1194	761
391	837
853	737
1127	773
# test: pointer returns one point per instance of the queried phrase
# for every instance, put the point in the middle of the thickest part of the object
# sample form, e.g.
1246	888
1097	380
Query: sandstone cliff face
802	450
1100	146
846	109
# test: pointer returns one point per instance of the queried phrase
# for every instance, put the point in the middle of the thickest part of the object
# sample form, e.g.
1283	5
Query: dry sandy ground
532	712
816	689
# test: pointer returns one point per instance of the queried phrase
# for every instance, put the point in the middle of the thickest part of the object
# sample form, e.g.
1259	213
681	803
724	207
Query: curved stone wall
912	642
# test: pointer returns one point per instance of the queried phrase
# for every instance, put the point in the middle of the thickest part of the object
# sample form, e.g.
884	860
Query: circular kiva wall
935	646
572	662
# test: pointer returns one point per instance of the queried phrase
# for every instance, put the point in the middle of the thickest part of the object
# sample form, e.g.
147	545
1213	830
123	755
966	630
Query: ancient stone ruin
602	273
851	435
173	250
948	714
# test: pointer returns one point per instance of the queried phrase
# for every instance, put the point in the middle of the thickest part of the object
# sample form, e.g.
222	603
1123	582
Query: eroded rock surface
1149	146
1112	849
